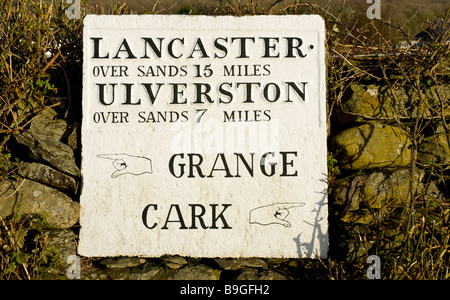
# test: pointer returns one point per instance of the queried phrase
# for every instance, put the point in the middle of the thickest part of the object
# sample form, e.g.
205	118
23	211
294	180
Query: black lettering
228	117
184	114
268	47
193	165
152	96
142	118
201	92
180	165
161	115
170	47
266	92
183	71
96	117
225	92
228	70
123	70
291	47
267	114
97	48
101	92
246	164
248	90
286	163
263	164
243	45
144	215
225	165
141	72
220	47
296	89
155	49
267	69
127	50
178	220
123	117
220	216
176	92
128	94
199	47
199	216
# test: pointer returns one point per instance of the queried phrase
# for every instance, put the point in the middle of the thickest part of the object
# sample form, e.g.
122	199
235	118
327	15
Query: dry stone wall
375	184
389	171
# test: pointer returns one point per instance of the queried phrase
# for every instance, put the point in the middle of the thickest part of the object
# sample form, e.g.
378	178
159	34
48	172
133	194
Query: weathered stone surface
175	262
190	272
264	275
195	272
94	273
374	191
118	274
198	272
150	274
391	190
372	102
437	95
235	264
122	262
27	197
57	154
7	197
431	191
434	150
372	146
364	102
45	174
62	240
47	126
72	139
277	261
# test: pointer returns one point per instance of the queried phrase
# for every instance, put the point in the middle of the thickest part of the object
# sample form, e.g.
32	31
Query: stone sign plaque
204	136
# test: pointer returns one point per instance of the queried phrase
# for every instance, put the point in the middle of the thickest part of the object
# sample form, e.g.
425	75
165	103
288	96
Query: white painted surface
131	202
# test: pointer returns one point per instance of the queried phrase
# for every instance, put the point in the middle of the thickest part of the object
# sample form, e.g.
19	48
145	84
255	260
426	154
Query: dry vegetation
409	14
40	67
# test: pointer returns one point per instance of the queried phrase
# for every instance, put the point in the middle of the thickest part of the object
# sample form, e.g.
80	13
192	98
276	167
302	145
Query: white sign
204	136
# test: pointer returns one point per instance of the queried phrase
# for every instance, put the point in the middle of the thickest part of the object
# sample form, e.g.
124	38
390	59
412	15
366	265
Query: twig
413	156
275	3
347	61
51	62
14	191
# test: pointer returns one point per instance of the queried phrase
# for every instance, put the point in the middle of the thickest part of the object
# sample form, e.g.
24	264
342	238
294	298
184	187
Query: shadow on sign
306	249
